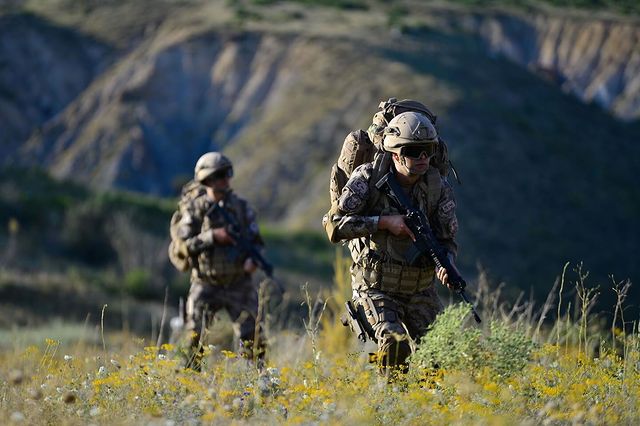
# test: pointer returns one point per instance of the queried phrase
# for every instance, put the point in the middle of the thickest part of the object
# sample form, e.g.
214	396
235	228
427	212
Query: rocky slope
548	178
596	59
43	67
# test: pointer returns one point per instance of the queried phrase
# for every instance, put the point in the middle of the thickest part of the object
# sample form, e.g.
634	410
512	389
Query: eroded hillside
547	177
596	59
43	67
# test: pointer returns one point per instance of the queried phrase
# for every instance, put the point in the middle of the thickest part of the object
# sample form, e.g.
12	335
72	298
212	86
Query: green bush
84	235
451	344
137	283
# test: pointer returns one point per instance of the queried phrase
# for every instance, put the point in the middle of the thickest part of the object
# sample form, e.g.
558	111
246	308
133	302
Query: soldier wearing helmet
220	273
399	300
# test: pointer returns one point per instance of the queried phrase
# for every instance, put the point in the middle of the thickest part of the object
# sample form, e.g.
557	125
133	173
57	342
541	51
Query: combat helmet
387	110
410	129
210	163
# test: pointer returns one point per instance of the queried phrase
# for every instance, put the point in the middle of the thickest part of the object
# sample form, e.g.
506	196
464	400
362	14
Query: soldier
399	299
220	273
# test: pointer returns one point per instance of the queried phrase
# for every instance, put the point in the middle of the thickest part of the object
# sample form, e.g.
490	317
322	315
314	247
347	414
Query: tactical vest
222	265
379	260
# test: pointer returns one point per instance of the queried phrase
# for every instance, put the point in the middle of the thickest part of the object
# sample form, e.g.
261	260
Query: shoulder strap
434	189
381	165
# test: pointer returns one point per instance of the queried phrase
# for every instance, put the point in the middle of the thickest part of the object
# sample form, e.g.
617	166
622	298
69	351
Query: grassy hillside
67	251
508	371
547	179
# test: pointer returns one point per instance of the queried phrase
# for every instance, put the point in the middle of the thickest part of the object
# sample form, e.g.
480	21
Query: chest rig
222	265
379	260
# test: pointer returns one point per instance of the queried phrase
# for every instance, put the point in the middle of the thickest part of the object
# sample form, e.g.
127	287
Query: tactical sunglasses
415	151
222	174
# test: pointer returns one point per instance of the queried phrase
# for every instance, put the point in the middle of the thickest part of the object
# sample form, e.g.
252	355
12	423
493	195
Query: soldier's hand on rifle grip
396	225
442	275
249	266
221	236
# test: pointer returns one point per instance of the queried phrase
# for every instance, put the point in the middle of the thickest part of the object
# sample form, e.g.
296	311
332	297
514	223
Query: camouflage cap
210	163
409	128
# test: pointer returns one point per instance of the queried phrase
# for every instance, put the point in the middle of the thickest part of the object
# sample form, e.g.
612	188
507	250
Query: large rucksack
361	147
178	253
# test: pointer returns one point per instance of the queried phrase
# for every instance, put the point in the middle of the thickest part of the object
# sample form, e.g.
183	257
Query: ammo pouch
216	268
395	277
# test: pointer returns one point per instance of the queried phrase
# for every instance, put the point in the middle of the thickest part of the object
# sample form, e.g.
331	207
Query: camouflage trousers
398	321
240	300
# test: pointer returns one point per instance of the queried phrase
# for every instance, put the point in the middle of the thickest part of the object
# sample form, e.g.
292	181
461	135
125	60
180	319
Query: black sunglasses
415	151
222	174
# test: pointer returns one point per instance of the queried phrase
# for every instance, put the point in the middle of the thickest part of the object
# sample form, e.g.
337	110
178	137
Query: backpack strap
434	189
381	164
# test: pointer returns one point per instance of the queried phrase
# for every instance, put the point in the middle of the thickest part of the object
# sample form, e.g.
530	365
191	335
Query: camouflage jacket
378	255
215	263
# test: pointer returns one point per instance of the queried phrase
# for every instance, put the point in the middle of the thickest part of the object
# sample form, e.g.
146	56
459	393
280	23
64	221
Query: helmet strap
403	161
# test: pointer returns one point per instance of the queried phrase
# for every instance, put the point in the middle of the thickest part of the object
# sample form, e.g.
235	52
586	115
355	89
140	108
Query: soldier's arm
190	229
253	230
348	219
444	221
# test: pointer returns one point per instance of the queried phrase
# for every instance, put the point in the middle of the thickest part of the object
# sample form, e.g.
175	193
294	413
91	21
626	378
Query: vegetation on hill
509	371
547	179
630	7
68	250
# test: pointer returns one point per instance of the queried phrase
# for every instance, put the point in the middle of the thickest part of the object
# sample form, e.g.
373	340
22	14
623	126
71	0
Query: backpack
178	253
361	147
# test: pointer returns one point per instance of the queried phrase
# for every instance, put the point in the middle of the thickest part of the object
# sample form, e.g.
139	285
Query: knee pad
394	350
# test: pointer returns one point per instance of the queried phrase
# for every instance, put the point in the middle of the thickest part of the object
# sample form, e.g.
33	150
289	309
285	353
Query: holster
356	320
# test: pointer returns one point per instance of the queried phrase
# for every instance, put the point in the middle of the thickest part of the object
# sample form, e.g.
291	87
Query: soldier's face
409	166
219	181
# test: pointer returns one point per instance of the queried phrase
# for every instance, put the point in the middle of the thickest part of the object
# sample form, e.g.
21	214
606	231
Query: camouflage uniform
218	279
399	300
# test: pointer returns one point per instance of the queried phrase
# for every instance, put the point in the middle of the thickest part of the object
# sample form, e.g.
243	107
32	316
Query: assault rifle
356	321
242	244
426	243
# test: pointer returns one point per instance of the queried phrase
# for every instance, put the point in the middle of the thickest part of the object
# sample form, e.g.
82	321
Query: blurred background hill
106	105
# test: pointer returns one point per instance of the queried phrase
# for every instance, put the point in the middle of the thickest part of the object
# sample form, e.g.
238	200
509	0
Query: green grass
18	338
86	258
536	376
305	252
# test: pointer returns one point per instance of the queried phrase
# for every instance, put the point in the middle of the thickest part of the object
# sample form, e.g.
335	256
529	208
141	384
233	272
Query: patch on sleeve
354	194
447	207
453	226
251	215
350	202
358	187
253	228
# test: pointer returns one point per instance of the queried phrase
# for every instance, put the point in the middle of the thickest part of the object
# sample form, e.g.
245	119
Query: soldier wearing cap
220	273
399	299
